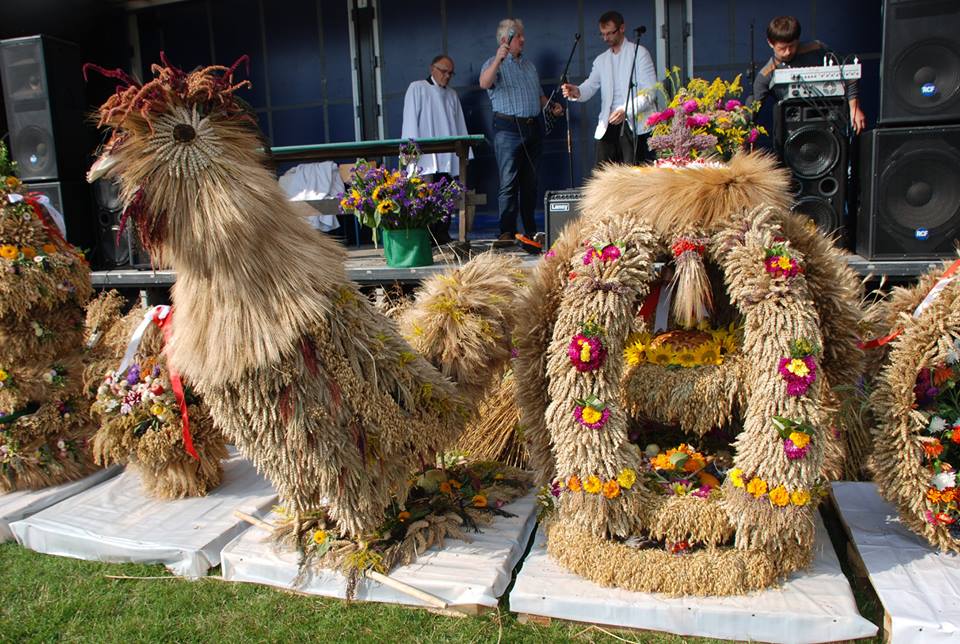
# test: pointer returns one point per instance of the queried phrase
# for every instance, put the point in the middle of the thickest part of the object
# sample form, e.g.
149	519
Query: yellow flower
626	478
591	415
611	489
661	355
800	439
157	410
403	516
584	351
319	536
387	206
685	358
355	196
29	252
49	249
573	484
800	497
757	487
783	262
11	182
708	353
729	344
445	487
376	193
662	461
9	252
346	204
593	485
798	367
779	496
633	354
736	477
479	501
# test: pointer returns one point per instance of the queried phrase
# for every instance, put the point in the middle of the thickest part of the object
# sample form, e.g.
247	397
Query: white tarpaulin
815	605
21	504
918	586
116	521
474	573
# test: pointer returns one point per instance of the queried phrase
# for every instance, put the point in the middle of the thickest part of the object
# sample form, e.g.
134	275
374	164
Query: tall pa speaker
813	144
43	95
910	193
920	66
115	248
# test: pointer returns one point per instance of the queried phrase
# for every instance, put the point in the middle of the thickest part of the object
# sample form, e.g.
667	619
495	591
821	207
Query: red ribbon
649	306
166	325
879	342
41	213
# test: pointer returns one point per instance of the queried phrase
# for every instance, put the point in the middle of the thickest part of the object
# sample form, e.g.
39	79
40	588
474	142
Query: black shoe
505	240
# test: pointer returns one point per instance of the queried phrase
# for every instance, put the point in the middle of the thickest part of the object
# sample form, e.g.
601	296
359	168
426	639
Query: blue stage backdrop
300	57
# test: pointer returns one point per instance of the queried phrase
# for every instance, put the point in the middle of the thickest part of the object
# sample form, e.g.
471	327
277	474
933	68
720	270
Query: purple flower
586	353
732	104
597	424
702	492
799	373
690	106
793	452
133	375
555	489
753	136
610	253
156	371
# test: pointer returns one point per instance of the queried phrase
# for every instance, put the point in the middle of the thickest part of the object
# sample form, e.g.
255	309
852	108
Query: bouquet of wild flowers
703	119
390	199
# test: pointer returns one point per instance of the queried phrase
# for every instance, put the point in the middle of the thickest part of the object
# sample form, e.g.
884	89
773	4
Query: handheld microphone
510	35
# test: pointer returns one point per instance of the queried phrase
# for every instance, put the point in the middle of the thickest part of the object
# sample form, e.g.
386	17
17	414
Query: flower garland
779	496
796	436
779	263
800	368
591	413
593	484
586	350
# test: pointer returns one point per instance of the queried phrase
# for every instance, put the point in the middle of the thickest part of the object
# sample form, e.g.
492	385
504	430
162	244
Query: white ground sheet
117	522
474	573
19	505
815	605
918	586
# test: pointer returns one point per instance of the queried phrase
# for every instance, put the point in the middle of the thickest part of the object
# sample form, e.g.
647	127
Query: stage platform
814	605
469	577
366	265
116	522
918	586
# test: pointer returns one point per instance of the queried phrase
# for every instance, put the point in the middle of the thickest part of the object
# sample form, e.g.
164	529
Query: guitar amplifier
560	207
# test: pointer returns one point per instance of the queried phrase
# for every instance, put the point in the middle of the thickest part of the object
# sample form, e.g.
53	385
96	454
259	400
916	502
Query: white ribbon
160	311
664	299
44	200
932	295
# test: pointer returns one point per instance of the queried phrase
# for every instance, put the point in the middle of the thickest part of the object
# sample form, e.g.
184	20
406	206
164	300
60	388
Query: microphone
642	29
510	35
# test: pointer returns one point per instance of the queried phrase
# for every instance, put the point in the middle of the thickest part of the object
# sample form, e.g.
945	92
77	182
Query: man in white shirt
611	75
432	109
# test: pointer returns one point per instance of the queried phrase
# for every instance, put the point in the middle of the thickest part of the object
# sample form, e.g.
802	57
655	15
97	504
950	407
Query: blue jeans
517	146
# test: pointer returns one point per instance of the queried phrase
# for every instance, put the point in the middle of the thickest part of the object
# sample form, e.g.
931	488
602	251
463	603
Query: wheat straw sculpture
298	369
689	458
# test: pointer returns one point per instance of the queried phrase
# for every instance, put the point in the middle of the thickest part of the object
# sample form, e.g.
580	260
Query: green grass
46	599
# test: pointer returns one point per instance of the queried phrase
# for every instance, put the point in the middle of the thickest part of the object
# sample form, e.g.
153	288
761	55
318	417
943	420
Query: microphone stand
631	86
563	80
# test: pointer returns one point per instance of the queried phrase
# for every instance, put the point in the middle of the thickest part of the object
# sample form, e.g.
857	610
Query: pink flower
590	255
782	266
690	106
793	452
732	104
753	136
550	254
658	117
799	373
697	120
702	492
597	424
610	253
586	353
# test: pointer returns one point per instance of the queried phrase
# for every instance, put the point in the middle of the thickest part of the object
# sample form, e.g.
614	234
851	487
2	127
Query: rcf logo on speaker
928	89
921	233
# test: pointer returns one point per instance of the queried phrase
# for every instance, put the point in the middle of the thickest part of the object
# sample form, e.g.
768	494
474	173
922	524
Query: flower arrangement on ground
703	119
44	283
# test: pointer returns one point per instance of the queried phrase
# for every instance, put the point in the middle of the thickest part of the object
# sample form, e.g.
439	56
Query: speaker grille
926	76
821	211
811	151
34	152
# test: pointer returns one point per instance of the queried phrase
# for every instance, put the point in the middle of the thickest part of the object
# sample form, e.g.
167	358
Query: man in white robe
611	75
432	109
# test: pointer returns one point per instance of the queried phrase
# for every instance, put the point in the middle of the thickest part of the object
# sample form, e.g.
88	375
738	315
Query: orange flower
932	448
403	516
29	252
9	252
11	182
941	375
611	489
955	436
479	501
708	479
933	495
445	487
573	484
49	249
949	495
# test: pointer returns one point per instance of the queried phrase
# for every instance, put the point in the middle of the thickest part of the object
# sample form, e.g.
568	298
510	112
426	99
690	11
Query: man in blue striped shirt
514	88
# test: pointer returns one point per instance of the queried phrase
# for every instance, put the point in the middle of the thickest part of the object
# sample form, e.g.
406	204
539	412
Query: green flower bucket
407	247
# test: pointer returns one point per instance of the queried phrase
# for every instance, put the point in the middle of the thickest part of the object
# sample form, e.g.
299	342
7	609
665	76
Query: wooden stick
406	589
252	520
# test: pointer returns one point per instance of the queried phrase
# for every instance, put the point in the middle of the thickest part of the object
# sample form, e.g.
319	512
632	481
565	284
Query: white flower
39	258
61	445
953	355
944	480
936	425
49	376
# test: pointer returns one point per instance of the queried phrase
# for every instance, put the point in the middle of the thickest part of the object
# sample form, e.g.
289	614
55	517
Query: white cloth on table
431	111
313	181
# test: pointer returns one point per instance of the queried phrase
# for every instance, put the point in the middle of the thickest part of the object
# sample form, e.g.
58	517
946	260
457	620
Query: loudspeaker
43	94
72	200
560	207
112	252
812	142
910	193
920	64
